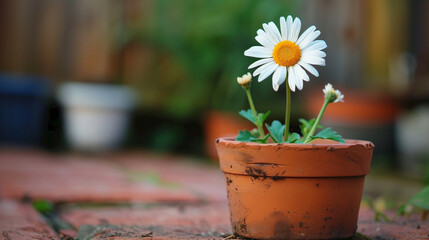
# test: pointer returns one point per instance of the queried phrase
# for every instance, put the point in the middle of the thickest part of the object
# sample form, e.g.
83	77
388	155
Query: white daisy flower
333	95
285	53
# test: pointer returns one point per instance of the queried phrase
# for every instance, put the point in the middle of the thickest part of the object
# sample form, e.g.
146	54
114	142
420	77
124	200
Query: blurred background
96	76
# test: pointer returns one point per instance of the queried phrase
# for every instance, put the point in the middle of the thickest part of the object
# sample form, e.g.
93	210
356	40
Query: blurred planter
412	139
362	116
96	115
221	124
23	103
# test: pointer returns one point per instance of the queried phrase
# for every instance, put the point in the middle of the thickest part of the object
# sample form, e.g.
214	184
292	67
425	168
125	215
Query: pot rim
348	143
352	158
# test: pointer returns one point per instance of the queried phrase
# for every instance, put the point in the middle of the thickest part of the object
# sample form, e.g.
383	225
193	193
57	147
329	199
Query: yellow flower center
286	53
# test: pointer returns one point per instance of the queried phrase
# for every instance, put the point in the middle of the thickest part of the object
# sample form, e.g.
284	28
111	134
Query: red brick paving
166	198
106	179
402	228
21	221
68	234
204	214
172	221
212	220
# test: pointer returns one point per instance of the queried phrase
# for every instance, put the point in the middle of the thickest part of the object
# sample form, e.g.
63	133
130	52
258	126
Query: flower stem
287	116
316	123
252	106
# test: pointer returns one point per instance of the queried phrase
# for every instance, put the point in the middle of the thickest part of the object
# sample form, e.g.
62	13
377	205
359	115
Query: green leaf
421	199
400	212
276	130
263	140
307	125
379	215
328	133
43	206
246	136
293	138
248	115
262	117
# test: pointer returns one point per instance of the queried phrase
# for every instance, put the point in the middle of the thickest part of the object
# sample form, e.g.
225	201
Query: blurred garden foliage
196	51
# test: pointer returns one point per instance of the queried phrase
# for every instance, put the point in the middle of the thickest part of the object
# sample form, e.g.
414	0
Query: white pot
412	139
96	115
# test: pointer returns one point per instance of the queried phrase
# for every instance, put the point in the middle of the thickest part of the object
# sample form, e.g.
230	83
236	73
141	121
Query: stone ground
131	196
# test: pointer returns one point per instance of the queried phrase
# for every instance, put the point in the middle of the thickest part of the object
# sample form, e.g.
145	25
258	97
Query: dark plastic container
23	104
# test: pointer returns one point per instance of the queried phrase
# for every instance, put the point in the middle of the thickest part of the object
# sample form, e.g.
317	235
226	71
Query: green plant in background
48	212
43	206
420	200
196	47
426	172
285	54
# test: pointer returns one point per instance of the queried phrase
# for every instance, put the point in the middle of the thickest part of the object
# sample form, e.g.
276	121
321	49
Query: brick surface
212	221
159	221
404	228
68	234
106	179
205	181
20	221
156	197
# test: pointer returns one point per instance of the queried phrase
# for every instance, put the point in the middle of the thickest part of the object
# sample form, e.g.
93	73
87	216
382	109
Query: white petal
316	45
275	31
309	68
296	27
305	34
310	38
299	83
270	33
340	97
315	53
264	42
291	79
263	34
301	73
267	72
260	62
289	24
313	60
298	78
283	73
279	76
328	87
276	78
263	68
258	52
275	86
283	28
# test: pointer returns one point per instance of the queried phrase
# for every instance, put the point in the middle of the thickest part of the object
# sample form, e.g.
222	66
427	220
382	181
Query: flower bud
255	132
245	80
332	95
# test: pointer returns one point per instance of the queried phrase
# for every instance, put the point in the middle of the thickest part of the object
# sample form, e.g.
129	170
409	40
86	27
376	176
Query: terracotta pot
359	108
294	191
